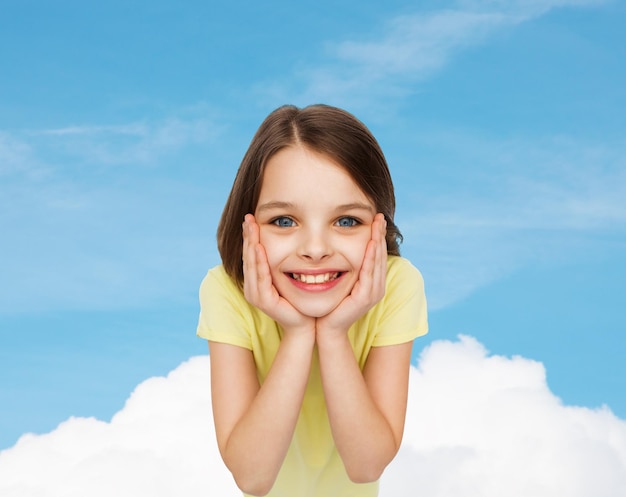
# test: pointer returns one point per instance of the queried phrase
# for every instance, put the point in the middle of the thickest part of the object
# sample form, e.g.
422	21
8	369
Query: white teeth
312	279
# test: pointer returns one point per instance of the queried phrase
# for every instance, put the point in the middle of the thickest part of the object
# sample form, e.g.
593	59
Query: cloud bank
477	425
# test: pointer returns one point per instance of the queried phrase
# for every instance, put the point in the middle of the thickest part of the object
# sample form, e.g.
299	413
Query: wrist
330	337
304	334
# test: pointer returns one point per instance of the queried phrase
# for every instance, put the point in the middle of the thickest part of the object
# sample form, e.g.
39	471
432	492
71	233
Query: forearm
257	445
364	438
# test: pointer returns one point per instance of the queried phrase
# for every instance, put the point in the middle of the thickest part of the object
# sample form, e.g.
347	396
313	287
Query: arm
366	410
247	415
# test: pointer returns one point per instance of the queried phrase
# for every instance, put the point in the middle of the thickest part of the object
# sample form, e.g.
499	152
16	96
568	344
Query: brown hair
326	130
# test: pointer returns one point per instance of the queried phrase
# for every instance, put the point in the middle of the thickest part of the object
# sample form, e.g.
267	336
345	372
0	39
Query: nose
315	244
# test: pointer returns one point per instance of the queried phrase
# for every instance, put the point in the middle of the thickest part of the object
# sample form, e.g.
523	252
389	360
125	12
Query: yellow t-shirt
312	466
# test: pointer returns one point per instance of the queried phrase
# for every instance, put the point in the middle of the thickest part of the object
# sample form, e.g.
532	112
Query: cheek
357	251
273	248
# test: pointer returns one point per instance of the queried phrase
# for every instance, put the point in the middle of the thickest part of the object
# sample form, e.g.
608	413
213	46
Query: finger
255	251
379	272
250	231
249	259
364	284
383	231
245	228
380	231
378	239
249	263
263	293
264	277
376	228
370	251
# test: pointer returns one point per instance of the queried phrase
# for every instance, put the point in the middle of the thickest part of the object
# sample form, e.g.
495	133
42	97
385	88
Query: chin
316	311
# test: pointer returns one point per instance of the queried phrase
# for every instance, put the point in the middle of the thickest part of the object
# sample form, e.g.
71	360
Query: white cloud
132	129
508	204
12	153
486	426
17	157
419	43
142	142
80	234
408	48
523	9
160	444
76	246
477	425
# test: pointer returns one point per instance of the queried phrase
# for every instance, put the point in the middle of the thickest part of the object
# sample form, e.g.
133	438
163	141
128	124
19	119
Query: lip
316	287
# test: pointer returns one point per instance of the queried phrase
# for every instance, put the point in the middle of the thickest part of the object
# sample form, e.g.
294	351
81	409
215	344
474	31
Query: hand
258	288
369	288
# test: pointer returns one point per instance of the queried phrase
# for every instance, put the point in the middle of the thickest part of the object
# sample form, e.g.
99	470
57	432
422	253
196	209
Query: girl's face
315	224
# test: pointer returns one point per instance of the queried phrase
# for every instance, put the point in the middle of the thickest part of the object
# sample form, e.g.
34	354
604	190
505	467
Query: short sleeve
224	313
402	313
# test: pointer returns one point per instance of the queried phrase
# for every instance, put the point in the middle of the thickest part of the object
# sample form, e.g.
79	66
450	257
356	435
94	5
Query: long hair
327	130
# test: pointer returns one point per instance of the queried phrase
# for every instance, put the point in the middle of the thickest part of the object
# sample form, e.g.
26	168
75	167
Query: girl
311	316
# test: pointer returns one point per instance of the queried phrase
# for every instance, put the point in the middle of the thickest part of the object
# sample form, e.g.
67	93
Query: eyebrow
356	206
276	204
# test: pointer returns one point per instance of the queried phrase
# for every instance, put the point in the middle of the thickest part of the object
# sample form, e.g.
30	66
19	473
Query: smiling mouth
313	279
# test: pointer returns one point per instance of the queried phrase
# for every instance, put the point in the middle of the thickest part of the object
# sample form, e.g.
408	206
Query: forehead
297	172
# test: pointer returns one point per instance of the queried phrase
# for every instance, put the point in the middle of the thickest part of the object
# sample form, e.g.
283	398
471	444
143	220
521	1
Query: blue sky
122	125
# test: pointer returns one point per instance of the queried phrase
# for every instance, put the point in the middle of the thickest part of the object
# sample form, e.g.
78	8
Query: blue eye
347	222
283	222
